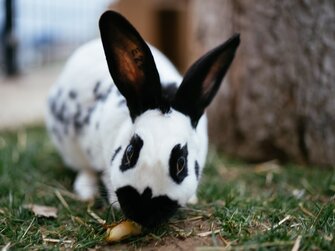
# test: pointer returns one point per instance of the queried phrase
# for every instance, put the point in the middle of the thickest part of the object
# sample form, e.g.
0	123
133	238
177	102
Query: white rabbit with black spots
122	110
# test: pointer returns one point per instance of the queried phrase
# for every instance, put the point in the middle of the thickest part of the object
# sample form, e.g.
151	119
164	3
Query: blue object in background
48	31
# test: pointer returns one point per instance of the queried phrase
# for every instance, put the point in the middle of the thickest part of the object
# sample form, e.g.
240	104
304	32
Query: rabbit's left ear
203	79
130	63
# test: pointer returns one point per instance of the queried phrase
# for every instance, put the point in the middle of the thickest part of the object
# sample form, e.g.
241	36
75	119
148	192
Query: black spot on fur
102	95
73	94
132	153
60	114
196	167
115	153
78	112
96	88
77	123
59	93
81	118
87	118
56	111
52	105
109	90
178	163
143	208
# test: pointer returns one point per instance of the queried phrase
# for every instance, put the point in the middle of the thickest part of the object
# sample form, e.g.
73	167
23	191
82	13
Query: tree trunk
278	100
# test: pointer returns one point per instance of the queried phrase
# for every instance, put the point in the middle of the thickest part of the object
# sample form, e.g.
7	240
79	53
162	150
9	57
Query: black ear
203	79
130	63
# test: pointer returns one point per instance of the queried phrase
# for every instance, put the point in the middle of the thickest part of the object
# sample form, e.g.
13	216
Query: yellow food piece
122	231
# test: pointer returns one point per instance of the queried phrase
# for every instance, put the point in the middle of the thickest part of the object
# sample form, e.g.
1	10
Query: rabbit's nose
143	208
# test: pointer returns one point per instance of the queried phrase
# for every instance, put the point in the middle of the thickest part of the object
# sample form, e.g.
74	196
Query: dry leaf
269	166
42	211
122	231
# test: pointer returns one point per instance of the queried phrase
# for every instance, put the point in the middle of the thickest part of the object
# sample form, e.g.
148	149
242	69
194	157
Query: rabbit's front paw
193	200
86	185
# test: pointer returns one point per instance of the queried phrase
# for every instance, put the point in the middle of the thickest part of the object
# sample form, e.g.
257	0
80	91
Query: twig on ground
225	242
156	237
69	194
196	218
281	222
317	216
78	220
57	241
6	247
198	211
62	200
297	244
51	240
25	232
204	234
295	225
305	211
96	217
267	228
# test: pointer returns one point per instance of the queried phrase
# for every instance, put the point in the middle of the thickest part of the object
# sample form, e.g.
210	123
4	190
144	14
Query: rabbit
120	110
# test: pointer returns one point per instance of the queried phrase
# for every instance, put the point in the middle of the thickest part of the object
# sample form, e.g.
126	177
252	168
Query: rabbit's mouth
143	208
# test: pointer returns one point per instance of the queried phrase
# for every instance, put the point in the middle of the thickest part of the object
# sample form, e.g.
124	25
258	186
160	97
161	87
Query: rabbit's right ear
203	79
130	63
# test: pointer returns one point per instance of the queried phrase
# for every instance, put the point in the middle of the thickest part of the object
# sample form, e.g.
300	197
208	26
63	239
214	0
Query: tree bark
278	100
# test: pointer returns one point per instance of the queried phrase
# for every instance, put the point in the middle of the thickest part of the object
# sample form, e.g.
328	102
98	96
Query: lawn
242	206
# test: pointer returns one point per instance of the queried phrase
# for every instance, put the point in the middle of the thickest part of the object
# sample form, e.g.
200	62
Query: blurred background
277	102
40	32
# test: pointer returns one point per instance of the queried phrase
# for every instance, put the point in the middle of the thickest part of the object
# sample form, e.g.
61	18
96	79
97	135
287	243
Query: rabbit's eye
132	153
180	165
129	153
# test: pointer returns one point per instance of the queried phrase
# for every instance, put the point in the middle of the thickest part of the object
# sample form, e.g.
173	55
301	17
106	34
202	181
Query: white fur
92	147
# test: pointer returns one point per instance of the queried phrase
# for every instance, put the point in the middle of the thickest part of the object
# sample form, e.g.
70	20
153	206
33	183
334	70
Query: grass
255	207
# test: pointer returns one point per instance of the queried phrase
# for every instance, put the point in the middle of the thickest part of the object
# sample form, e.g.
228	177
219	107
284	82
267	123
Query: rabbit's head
156	168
